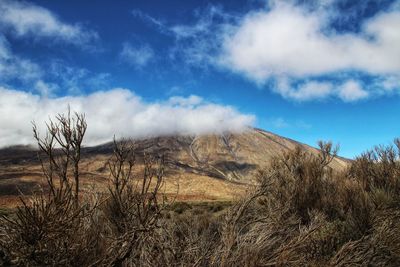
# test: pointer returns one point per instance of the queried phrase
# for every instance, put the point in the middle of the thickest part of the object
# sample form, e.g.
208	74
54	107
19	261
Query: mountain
205	167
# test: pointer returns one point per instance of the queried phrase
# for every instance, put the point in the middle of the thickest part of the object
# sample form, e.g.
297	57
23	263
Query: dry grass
300	213
192	187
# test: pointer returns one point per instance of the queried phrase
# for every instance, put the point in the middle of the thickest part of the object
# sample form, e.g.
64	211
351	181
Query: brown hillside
206	167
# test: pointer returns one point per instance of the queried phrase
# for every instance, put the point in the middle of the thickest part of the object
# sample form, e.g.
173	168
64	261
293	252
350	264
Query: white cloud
27	19
136	56
391	83
23	19
47	78
118	111
309	91
312	90
199	43
14	67
45	89
195	44
72	78
4	49
288	40
150	20
21	69
296	42
351	91
192	100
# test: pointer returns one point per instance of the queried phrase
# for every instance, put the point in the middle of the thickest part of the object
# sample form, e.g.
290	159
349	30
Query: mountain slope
206	167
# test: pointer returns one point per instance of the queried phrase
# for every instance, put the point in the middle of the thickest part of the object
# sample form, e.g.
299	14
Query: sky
307	70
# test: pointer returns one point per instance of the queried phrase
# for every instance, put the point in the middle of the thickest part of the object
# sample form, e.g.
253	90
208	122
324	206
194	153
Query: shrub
300	213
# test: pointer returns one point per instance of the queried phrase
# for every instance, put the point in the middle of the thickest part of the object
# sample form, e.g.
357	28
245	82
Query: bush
301	213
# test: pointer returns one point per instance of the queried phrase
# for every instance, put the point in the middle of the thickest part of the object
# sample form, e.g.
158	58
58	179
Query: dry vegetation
300	213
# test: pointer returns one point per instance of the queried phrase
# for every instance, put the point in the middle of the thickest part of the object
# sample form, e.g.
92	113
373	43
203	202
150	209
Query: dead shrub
133	207
50	229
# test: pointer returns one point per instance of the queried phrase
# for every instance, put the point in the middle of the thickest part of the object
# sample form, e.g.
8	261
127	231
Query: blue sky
307	70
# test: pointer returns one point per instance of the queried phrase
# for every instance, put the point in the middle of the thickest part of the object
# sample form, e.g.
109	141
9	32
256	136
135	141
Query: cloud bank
117	111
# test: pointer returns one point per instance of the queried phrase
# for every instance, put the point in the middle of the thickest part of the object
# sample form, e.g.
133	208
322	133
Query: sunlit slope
205	167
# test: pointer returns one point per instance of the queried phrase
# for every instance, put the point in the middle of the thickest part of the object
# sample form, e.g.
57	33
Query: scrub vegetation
300	212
